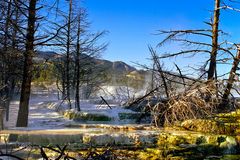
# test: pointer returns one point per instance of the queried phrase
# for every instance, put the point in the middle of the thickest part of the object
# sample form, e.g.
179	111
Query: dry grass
198	102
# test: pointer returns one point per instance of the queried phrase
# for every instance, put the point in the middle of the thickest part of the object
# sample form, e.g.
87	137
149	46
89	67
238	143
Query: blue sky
132	24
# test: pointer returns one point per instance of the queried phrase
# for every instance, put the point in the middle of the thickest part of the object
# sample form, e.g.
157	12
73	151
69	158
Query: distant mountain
117	67
116	71
121	66
46	55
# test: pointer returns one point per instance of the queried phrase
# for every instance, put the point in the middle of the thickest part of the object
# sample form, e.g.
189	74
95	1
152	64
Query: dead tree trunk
63	76
160	71
22	120
6	58
215	26
77	65
230	81
6	30
15	31
68	54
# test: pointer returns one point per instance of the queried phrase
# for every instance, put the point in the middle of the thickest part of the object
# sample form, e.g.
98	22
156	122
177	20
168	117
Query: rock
84	116
199	142
188	145
148	140
132	116
49	139
209	126
127	140
230	157
172	140
213	157
229	145
98	140
238	139
120	139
